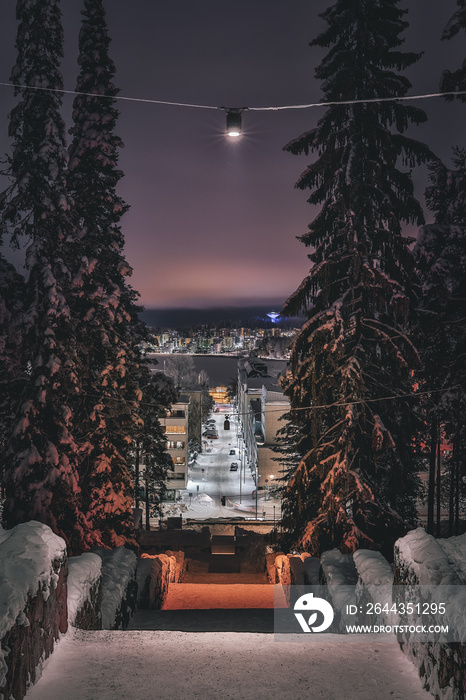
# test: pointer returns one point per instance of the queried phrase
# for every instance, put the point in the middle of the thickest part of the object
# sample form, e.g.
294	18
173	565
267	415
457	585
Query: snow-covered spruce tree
355	485
12	292
456	80
440	254
159	394
104	304
41	476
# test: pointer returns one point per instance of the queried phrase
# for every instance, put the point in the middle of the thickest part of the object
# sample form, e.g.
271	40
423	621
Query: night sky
213	222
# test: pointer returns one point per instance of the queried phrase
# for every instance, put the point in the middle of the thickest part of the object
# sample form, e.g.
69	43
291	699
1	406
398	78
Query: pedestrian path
207	577
214	596
150	665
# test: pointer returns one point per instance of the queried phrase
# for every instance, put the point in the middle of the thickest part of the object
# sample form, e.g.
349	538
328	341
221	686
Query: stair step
250	620
209	596
206	577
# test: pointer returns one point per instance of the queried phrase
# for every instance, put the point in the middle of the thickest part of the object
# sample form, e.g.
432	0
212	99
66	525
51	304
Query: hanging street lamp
234	121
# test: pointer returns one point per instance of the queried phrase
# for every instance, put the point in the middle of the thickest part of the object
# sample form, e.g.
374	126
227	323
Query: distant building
219	394
175	427
261	404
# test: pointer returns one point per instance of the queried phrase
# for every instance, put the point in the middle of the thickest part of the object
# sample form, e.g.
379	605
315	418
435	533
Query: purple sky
213	223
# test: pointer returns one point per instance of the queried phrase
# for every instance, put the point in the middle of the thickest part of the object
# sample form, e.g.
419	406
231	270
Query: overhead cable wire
289	409
275	108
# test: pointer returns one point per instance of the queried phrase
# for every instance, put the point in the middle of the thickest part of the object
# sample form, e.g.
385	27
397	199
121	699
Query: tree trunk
456	461
147	499
451	503
439	482
431	492
136	477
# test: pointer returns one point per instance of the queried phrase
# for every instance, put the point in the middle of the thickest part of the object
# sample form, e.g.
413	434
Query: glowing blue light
274	317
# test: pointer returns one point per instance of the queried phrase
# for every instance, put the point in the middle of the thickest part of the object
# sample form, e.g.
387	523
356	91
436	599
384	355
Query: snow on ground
224	666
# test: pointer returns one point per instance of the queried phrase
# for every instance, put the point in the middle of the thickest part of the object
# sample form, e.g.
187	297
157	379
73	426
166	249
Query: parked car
232	452
234	467
210	433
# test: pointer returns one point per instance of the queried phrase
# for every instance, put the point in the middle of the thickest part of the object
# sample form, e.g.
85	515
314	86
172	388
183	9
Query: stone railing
33	603
422	560
155	573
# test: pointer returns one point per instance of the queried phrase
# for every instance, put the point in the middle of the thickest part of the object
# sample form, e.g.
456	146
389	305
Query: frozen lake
220	369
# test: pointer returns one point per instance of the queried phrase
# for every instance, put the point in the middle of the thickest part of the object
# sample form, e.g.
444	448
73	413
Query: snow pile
422	559
118	571
339	573
455	549
419	558
373	569
27	556
375	583
83	574
27	553
441	564
338	569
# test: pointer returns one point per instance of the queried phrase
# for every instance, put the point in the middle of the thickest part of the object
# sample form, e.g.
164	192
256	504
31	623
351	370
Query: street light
233	129
257	484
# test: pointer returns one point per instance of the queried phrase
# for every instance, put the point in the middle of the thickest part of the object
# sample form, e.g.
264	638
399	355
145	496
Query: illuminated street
210	479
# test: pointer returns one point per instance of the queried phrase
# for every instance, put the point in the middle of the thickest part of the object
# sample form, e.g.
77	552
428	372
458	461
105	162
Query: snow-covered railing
422	560
292	569
155	573
85	591
33	603
119	586
375	585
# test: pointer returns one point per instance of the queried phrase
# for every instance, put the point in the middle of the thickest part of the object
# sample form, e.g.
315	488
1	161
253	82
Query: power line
275	108
364	401
358	102
289	409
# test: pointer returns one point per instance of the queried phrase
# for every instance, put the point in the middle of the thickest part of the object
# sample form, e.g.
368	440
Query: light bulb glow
233	123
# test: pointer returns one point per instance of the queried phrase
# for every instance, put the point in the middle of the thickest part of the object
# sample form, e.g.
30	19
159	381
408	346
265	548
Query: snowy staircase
209	602
219	596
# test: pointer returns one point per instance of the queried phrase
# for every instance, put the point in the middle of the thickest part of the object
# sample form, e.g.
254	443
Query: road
210	478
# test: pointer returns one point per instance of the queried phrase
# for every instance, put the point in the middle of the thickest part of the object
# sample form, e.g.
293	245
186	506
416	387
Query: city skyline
214	223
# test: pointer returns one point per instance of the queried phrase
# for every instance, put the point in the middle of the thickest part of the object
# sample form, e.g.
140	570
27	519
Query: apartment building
261	405
175	427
